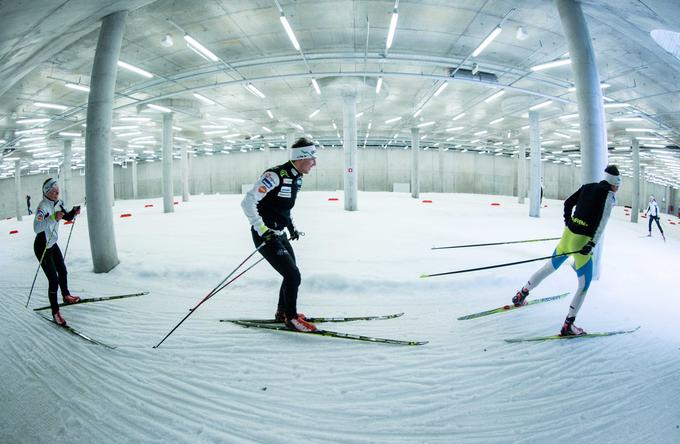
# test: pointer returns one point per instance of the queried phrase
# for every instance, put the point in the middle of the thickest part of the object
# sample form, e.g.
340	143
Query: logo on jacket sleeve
285	192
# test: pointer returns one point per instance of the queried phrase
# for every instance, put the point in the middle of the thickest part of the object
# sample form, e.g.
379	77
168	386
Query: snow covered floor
221	383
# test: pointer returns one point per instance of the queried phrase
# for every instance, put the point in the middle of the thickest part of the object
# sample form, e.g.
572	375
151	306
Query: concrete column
185	174
667	202
290	140
133	173
521	172
98	171
441	169
17	186
168	206
636	182
190	157
588	91
643	186
535	188
415	170
349	120
66	174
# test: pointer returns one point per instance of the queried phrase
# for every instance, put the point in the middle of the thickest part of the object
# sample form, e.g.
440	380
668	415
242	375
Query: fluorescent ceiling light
232	119
526	127
417	113
314	113
458	116
77	86
500	119
616	105
216	132
130	134
316	86
489	38
269	113
378	85
553	64
200	49
250	87
359	114
423	125
204	99
266	129
30	131
176	128
474	141
562	135
289	31
569	116
229	136
628	119
30	121
456	128
134	69
395	119
540	105
69	134
135	119
441	88
181	139
602	86
494	96
50	105
393	28
159	108
640	130
479	133
124	127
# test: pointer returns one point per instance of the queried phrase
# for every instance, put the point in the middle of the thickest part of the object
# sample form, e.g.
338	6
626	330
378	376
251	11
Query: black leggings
655	218
281	256
54	268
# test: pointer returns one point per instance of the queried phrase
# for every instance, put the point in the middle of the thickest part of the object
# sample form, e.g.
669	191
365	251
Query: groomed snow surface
213	382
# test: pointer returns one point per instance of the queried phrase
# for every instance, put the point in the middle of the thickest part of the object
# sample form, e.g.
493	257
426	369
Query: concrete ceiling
44	44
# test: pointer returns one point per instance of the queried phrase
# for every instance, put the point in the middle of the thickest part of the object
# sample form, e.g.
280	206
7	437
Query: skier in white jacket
653	215
46	226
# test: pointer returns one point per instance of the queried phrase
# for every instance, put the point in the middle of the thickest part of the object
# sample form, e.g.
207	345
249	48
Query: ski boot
58	319
298	323
569	329
70	299
520	298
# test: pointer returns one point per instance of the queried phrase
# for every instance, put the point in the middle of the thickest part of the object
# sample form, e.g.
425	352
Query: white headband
303	152
613	180
49	185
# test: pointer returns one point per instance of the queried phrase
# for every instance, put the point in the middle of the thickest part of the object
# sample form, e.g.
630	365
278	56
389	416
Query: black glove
587	248
269	236
294	233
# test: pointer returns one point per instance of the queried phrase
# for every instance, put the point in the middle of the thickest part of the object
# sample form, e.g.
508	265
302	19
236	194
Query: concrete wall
32	186
378	170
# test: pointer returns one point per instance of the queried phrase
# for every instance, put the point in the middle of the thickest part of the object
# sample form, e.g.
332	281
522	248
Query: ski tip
424	275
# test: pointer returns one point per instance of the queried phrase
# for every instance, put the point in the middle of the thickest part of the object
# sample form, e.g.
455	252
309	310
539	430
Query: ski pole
215	290
69	237
40	263
497	266
496	243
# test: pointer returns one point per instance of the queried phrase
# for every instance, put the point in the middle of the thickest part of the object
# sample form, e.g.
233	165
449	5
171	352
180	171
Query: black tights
655	218
54	268
281	256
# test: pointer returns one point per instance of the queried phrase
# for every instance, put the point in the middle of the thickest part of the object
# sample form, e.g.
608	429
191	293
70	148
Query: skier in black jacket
267	206
586	213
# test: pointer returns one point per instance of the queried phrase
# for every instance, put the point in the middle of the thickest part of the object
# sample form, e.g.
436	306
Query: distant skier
267	206
584	228
46	226
28	204
653	215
